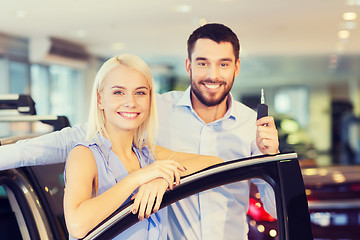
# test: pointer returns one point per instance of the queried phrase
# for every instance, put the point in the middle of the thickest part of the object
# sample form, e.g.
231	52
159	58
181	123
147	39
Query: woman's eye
119	93
140	93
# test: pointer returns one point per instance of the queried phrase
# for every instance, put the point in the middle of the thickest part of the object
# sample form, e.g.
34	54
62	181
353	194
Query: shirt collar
103	143
185	100
105	146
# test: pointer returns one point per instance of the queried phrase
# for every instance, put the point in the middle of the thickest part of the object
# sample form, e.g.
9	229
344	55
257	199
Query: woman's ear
99	101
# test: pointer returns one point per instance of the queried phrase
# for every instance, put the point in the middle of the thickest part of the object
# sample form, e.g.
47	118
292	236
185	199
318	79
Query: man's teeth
212	86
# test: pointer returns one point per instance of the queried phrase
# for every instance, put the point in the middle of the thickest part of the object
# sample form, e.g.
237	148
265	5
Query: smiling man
205	119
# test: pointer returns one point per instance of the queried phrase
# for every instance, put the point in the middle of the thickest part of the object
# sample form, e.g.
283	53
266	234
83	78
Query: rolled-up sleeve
46	149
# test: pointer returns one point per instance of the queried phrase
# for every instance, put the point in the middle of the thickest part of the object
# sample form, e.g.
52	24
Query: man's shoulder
170	97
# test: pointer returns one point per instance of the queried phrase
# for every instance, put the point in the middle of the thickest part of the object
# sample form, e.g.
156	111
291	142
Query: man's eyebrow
200	59
221	59
226	59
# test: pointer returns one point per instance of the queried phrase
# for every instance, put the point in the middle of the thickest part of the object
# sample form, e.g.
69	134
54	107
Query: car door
281	171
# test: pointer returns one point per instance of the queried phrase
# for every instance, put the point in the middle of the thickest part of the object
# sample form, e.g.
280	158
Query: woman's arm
83	211
192	162
150	194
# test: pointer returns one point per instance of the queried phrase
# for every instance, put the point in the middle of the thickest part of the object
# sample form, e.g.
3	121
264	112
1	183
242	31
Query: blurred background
304	54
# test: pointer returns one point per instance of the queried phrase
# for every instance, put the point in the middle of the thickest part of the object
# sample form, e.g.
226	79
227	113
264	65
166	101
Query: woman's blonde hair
146	133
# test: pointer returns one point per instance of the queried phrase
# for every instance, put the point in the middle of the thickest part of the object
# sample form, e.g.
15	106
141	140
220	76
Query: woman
117	157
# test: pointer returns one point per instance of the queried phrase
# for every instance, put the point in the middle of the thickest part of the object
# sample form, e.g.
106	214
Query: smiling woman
117	158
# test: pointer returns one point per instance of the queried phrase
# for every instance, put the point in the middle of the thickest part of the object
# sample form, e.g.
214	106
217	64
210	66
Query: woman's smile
129	115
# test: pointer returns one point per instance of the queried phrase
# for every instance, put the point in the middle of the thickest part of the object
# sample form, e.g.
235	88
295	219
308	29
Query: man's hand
267	138
149	194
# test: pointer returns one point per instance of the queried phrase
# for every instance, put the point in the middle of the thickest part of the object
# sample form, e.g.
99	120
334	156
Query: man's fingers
268	121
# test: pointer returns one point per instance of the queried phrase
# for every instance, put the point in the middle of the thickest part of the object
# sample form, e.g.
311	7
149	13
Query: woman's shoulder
80	151
85	149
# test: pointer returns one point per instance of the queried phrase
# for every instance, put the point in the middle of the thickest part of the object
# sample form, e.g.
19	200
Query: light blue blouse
110	171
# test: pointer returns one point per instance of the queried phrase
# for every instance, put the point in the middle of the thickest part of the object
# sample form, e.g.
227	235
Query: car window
50	186
261	224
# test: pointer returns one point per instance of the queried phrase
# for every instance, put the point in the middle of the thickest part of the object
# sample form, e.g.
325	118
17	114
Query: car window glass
51	183
261	224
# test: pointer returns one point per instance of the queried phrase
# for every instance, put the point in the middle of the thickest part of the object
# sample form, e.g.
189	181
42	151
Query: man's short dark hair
216	32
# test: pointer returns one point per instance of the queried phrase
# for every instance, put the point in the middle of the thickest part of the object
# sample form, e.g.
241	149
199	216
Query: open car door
281	171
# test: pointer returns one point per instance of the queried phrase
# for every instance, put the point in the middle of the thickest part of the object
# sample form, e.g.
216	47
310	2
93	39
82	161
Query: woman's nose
130	101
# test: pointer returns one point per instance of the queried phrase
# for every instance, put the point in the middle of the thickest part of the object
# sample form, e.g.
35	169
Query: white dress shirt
218	213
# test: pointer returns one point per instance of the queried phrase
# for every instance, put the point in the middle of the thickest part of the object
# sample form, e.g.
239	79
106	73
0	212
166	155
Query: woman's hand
166	169
149	197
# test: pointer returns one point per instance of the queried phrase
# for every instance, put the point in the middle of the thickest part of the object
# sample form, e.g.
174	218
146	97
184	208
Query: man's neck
209	114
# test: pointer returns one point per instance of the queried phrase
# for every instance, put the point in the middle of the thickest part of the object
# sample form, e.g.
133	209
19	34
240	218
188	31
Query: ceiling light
349	16
344	34
183	8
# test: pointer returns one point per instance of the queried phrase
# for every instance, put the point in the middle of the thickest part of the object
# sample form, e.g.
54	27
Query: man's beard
211	101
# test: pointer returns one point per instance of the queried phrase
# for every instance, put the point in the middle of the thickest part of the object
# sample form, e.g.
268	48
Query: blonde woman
119	155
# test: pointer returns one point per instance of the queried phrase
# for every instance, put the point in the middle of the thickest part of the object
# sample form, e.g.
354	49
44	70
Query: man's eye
224	64
202	64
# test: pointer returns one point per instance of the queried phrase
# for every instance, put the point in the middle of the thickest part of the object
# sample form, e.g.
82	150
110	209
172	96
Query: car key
262	108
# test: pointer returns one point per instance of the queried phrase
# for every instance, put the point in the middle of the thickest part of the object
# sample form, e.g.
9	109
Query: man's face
212	69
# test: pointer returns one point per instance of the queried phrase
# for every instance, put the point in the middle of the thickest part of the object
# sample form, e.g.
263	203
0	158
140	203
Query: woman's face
125	99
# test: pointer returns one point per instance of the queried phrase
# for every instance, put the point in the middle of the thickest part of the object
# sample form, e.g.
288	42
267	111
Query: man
204	119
